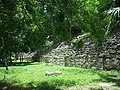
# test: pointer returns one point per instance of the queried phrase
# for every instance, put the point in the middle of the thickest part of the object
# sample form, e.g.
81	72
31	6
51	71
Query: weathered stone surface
107	58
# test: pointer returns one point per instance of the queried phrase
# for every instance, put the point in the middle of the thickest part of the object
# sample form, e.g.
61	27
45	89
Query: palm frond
114	12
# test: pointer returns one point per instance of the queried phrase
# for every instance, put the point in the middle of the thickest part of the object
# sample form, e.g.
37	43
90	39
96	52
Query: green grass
24	76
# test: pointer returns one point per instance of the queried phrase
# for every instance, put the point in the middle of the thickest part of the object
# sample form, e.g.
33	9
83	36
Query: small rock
48	73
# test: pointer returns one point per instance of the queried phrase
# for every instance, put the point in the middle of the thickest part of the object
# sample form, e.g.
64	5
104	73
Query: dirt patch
95	86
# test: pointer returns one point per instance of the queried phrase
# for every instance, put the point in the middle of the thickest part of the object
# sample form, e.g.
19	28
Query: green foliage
114	15
111	9
96	88
27	25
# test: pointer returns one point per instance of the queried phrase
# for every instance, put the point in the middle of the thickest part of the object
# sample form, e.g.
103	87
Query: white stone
47	73
104	84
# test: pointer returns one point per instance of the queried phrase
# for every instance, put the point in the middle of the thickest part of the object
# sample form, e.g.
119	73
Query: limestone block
111	51
118	57
48	73
118	52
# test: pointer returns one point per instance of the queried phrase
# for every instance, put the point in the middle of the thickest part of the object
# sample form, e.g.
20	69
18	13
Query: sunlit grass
34	74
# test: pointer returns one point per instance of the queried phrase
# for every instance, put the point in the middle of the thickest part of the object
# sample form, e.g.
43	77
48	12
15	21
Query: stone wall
107	58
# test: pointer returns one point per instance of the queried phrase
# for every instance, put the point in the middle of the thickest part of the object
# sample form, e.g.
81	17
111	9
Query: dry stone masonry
108	57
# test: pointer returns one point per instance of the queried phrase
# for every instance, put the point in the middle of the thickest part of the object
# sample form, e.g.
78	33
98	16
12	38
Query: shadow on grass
111	78
42	86
23	63
19	64
46	85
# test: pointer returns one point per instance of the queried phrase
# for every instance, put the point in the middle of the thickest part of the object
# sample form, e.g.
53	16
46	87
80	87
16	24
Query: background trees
26	25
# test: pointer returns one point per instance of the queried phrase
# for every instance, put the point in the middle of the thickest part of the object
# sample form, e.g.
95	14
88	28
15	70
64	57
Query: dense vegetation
33	24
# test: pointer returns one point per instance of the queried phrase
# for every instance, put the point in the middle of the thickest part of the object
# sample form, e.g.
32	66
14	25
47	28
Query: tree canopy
27	25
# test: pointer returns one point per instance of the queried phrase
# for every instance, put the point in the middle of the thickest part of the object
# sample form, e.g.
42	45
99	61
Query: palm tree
113	15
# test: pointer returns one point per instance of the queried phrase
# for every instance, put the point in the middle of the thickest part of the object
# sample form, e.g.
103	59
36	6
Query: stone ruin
108	58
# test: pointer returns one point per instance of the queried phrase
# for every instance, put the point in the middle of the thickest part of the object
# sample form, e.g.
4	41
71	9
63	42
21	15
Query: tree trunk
16	56
10	57
6	63
103	63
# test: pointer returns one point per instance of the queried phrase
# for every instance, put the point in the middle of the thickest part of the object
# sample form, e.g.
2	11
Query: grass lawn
32	77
